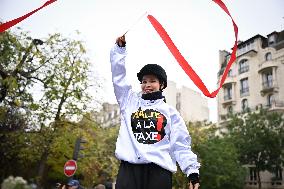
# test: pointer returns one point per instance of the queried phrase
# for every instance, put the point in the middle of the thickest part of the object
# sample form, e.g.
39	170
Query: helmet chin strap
162	87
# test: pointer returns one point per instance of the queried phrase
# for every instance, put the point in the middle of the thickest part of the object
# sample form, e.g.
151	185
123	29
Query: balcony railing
279	103
276	104
227	97
267	84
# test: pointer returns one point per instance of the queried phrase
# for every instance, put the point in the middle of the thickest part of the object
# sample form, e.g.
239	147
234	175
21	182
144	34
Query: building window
278	173
228	58
178	103
267	79
244	91
245	48
244	105
230	73
243	66
268	56
228	92
270	100
271	39
252	176
230	110
277	176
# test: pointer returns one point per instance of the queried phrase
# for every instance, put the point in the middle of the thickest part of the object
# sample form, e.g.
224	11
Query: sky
199	29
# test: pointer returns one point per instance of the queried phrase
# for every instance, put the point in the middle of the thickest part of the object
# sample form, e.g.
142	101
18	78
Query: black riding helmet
153	69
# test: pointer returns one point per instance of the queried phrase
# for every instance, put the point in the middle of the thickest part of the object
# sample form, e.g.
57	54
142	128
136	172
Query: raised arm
122	88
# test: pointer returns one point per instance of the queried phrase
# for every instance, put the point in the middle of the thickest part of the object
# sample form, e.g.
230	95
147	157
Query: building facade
255	80
108	116
191	105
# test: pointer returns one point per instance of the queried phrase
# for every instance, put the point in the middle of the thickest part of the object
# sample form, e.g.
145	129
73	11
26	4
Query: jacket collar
153	96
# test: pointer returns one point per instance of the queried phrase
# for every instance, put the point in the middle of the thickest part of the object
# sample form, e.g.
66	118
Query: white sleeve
122	88
181	145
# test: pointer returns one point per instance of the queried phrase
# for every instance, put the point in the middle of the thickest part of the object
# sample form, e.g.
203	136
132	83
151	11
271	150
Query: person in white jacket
152	136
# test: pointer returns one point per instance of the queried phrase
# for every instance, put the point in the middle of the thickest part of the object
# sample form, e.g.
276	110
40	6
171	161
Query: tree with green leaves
65	89
12	124
220	166
55	70
65	79
96	163
218	157
17	52
259	138
103	165
62	149
47	82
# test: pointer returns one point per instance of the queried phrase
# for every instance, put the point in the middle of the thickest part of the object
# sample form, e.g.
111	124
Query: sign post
70	168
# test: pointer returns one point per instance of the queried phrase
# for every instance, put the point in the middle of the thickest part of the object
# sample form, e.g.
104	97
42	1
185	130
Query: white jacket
151	130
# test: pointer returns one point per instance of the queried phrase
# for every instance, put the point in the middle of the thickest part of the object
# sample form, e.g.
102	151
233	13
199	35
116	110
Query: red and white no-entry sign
70	168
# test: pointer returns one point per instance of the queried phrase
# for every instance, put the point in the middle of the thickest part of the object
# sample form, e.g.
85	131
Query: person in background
100	186
60	186
152	136
108	185
73	184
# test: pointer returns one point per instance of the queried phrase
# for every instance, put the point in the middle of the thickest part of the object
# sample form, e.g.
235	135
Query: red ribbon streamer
11	23
171	46
184	64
